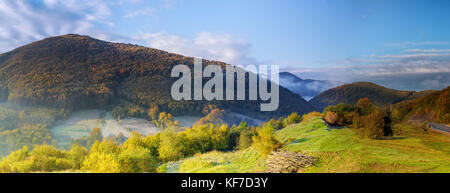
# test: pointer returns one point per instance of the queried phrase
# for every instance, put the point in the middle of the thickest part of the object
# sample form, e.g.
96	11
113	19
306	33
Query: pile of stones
288	162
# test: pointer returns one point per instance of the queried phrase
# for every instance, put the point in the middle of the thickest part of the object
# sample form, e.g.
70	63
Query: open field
340	150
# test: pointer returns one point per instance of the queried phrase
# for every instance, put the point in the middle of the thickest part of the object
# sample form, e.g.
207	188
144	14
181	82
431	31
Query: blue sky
403	44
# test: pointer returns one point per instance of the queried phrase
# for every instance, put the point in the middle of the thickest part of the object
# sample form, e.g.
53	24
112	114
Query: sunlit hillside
337	149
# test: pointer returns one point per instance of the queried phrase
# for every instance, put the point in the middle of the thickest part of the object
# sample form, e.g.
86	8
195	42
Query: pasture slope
338	150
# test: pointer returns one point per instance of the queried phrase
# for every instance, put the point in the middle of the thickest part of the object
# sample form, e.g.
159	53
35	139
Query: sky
401	44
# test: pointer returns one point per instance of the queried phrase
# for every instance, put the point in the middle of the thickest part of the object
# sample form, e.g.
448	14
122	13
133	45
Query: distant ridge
307	88
351	93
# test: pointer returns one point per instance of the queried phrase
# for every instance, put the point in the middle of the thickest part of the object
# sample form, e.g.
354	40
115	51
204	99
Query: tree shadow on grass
393	138
335	127
300	140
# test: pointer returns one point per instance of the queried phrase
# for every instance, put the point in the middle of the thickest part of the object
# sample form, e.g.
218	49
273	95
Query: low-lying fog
80	124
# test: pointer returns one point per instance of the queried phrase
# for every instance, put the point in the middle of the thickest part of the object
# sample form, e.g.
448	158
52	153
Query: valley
80	124
73	103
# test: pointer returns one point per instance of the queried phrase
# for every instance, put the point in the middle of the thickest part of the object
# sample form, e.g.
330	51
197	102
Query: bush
43	158
245	140
344	113
244	136
77	154
98	162
364	106
151	143
171	147
294	118
373	125
133	156
371	121
205	138
275	124
265	140
136	159
28	135
307	117
198	139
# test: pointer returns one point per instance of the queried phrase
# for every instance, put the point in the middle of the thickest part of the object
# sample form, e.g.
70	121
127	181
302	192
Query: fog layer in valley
80	124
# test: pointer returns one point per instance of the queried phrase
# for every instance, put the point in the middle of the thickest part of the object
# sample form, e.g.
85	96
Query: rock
331	118
288	162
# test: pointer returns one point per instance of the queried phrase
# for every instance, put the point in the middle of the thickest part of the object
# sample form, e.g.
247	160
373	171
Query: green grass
341	150
245	161
338	150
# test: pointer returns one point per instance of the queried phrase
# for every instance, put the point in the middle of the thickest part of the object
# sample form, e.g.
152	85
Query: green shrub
43	158
245	140
171	147
103	158
265	140
294	118
341	114
28	135
136	159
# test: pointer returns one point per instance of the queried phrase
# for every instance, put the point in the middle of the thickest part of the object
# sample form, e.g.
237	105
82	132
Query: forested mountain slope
434	107
351	93
79	72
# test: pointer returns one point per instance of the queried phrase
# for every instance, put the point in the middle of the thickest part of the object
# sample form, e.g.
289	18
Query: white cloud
222	47
414	44
418	71
141	12
416	55
428	50
169	4
23	22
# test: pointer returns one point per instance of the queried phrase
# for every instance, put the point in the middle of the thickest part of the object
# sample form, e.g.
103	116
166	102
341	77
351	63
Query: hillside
78	72
337	151
434	107
351	93
307	88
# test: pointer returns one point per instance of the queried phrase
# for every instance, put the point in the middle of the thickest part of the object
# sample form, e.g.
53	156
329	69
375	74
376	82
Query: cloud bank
417	69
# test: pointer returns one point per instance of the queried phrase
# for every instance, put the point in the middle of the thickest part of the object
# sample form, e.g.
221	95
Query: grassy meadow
338	150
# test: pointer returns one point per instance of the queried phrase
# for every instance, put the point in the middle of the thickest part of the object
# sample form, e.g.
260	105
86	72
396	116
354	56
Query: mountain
351	93
433	107
307	88
78	72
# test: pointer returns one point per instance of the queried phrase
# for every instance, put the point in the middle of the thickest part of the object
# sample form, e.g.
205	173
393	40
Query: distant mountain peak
307	88
288	74
71	37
